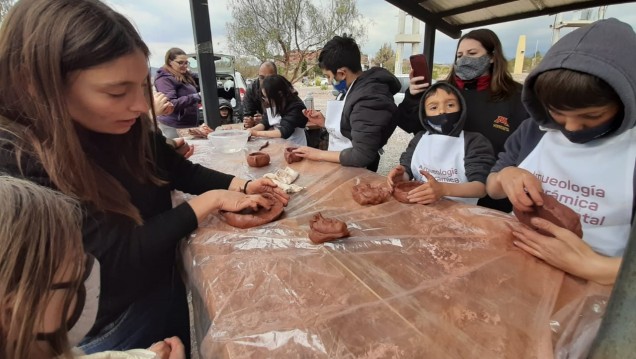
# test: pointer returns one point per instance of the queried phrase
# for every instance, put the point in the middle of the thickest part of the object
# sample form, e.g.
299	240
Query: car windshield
225	64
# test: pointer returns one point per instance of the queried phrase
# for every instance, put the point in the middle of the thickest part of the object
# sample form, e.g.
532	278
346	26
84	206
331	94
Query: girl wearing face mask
49	287
284	110
493	98
452	162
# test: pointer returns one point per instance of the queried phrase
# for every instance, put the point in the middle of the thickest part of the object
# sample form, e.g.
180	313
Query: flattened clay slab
248	218
402	189
552	211
290	157
326	229
366	193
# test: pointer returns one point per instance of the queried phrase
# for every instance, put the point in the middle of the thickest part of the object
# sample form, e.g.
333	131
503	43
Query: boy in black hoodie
453	163
360	121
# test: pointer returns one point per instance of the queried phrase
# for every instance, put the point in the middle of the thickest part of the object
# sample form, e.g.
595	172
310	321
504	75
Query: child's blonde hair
40	232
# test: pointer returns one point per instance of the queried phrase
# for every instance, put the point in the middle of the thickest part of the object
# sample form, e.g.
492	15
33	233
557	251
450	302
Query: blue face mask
340	86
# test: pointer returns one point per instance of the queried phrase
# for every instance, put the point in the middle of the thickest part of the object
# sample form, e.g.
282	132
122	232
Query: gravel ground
392	150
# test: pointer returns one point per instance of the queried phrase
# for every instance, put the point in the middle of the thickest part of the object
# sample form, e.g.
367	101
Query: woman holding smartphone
493	98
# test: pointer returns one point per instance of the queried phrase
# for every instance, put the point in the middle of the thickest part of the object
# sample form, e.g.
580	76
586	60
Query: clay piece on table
554	212
249	218
290	156
367	193
326	229
258	159
401	190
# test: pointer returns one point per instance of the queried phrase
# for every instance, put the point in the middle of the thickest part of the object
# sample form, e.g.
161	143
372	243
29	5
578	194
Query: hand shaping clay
552	211
248	218
402	189
290	157
366	193
326	229
258	159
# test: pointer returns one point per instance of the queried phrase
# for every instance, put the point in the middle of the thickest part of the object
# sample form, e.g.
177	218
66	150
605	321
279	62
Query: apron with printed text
595	179
443	157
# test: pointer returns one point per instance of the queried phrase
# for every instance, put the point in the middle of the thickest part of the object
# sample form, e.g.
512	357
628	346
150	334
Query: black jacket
291	117
252	100
367	117
134	259
478	152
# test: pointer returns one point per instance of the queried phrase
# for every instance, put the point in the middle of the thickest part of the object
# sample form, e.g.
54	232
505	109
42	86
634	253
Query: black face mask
446	120
589	134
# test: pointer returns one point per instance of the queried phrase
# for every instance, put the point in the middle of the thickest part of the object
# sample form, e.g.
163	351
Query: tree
290	31
5	6
385	57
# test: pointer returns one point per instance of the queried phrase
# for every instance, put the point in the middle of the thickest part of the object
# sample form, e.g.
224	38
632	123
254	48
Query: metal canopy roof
452	16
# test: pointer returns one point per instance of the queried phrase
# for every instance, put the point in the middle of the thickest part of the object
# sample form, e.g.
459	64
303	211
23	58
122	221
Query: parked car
229	82
324	81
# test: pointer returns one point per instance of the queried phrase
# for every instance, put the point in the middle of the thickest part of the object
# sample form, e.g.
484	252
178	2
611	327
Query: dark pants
161	314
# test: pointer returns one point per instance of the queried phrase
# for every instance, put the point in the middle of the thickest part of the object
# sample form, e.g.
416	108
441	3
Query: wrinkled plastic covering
412	281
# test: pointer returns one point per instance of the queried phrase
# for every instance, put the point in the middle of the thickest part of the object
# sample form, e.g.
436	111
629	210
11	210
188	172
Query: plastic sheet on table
437	281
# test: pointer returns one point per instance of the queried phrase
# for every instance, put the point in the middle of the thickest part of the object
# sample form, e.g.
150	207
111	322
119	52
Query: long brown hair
39	237
170	56
502	85
43	42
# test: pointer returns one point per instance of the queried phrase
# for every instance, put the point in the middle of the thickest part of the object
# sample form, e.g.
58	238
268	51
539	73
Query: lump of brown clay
258	159
249	218
290	156
326	229
402	189
366	193
552	211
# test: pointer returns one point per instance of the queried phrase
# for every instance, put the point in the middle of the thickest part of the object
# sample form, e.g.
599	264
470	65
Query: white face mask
85	312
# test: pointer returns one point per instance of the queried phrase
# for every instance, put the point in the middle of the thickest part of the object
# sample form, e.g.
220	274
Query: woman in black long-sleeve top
284	109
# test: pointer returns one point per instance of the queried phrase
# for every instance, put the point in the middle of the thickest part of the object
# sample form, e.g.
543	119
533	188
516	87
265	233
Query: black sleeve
371	116
407	114
251	102
407	155
518	145
293	118
479	156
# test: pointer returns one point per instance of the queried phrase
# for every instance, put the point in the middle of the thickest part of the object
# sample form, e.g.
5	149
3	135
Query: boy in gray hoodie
579	146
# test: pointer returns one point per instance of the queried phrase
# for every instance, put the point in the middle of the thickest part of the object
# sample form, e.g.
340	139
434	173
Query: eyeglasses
181	63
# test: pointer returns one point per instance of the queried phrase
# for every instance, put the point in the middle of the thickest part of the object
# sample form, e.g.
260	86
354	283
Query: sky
163	25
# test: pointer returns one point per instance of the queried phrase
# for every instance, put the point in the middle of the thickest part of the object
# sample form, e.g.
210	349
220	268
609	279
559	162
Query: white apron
443	157
337	141
595	179
298	137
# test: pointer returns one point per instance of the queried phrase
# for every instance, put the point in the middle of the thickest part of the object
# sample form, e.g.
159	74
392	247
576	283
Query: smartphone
420	67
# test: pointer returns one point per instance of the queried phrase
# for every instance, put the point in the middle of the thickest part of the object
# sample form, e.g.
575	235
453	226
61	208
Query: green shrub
323	87
317	81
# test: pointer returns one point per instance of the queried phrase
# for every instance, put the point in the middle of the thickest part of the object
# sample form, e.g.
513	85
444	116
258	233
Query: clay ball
326	229
552	211
366	193
290	157
249	218
257	159
402	189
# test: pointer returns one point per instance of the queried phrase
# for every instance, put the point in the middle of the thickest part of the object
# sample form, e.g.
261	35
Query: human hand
162	349
565	250
231	201
266	185
248	122
161	104
170	348
183	148
398	174
521	187
315	117
417	84
427	193
309	153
